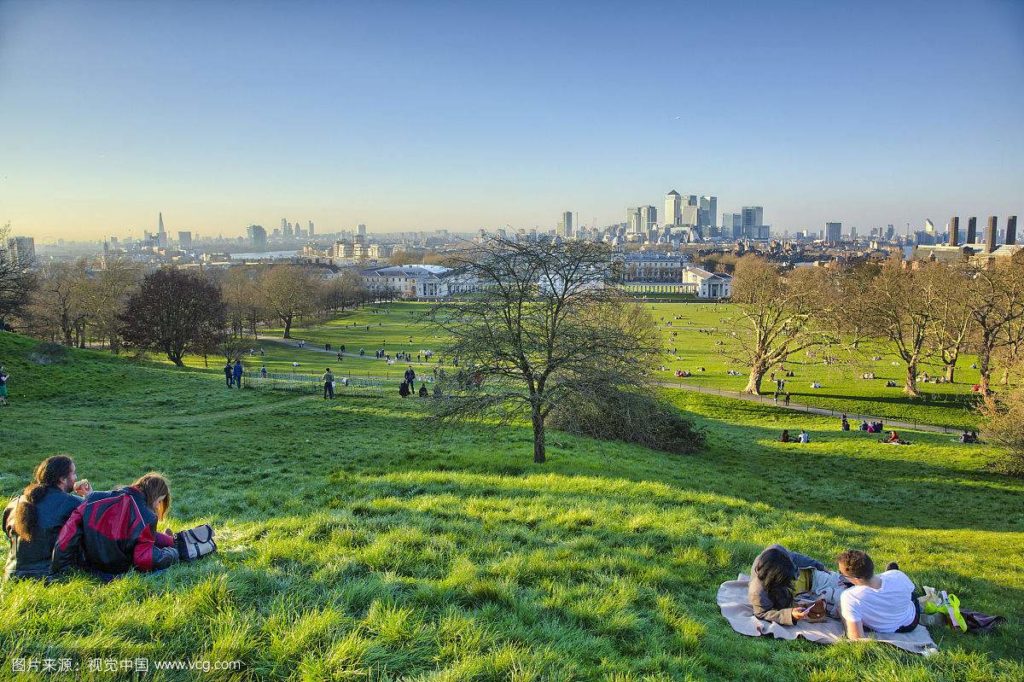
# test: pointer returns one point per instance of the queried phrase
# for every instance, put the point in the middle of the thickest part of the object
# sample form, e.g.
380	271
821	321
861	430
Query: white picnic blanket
735	606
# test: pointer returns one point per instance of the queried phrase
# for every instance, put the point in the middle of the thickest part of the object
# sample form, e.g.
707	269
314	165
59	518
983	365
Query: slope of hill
358	543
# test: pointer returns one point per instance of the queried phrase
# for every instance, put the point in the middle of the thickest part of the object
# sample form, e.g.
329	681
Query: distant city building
257	236
833	232
732	226
633	223
929	227
992	234
673	209
972	230
311	232
21	251
161	233
648	218
417	281
185	240
753	223
361	230
708	213
565	226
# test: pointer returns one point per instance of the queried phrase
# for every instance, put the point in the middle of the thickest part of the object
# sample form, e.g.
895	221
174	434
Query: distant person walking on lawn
328	379
237	373
4	376
228	374
410	376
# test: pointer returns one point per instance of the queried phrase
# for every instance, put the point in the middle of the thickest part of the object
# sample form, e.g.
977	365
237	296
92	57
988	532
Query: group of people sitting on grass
59	523
787	587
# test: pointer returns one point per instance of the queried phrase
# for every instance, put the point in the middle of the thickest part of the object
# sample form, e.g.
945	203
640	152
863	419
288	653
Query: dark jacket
31	559
771	582
112	532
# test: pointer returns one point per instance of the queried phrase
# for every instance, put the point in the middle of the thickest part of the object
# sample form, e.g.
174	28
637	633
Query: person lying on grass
114	531
33	519
894	439
779	574
883	603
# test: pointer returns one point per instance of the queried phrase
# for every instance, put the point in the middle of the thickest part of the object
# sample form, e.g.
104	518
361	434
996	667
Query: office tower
286	229
257	236
185	240
648	217
633	225
161	233
361	230
954	230
972	230
310	228
21	250
853	234
673	213
565	227
753	222
1011	230
992	234
708	211
833	232
890	231
929	227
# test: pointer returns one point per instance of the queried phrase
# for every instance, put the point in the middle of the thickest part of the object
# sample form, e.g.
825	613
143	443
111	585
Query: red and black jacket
112	532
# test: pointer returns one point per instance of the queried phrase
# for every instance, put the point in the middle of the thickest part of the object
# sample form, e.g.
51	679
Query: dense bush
630	417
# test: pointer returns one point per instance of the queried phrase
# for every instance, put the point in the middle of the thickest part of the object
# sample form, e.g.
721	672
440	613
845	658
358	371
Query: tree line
172	311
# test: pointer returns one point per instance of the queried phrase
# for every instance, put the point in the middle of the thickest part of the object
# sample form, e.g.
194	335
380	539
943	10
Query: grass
357	543
842	388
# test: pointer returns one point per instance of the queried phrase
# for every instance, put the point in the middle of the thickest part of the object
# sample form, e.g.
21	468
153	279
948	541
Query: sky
461	115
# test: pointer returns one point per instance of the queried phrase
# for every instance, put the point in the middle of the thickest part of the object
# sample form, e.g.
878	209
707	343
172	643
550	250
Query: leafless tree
545	326
17	282
997	303
951	331
289	292
778	315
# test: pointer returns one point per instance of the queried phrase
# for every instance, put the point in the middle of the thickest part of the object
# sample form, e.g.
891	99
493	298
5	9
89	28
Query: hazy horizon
418	116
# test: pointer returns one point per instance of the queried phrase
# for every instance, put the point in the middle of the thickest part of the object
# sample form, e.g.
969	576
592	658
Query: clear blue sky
416	115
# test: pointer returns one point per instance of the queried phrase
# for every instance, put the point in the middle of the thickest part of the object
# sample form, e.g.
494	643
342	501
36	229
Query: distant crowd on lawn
59	524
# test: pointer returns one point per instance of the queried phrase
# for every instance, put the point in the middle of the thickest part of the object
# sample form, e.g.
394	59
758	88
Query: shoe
892	566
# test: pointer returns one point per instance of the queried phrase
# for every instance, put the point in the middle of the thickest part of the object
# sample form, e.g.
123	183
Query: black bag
195	543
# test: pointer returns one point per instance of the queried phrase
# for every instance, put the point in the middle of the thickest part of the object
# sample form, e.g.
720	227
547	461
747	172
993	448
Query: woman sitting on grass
894	439
778	575
115	531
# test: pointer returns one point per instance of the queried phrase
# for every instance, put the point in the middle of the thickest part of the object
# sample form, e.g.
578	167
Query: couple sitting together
59	523
783	584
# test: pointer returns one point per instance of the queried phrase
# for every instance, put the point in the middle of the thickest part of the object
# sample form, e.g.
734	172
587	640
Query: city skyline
410	118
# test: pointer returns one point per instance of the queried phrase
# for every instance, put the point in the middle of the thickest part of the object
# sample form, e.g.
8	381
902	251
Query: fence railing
312	383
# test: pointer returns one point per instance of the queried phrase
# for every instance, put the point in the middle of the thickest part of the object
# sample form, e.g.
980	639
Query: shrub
49	354
630	417
1004	414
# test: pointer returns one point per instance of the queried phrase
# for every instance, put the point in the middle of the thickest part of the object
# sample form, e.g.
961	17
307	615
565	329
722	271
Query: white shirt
885	609
804	438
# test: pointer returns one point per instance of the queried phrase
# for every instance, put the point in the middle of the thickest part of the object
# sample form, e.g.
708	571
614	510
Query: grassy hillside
357	543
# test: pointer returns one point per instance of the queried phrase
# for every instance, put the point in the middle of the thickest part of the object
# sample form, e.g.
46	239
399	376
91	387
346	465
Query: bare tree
544	327
174	312
289	291
952	328
997	303
243	296
779	315
105	295
904	311
58	308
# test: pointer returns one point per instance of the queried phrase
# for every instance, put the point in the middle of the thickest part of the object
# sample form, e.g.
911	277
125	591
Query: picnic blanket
735	606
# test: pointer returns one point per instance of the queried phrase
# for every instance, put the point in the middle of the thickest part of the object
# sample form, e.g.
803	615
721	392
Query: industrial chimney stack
991	234
954	230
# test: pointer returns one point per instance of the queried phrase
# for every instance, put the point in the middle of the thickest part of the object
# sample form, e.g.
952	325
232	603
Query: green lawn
358	543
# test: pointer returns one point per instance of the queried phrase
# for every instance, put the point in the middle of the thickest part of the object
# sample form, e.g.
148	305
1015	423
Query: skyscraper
708	212
673	214
257	236
648	217
185	240
833	232
286	229
310	228
361	230
161	233
565	226
633	224
752	218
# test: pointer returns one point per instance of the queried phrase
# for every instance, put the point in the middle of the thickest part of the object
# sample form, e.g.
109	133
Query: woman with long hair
116	530
32	521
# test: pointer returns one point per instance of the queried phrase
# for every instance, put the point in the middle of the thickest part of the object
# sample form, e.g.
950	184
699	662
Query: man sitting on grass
883	603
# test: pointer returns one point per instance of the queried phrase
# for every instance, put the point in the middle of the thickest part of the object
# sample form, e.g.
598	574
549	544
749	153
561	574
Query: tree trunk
287	326
754	381
176	359
538	437
910	385
950	369
985	364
